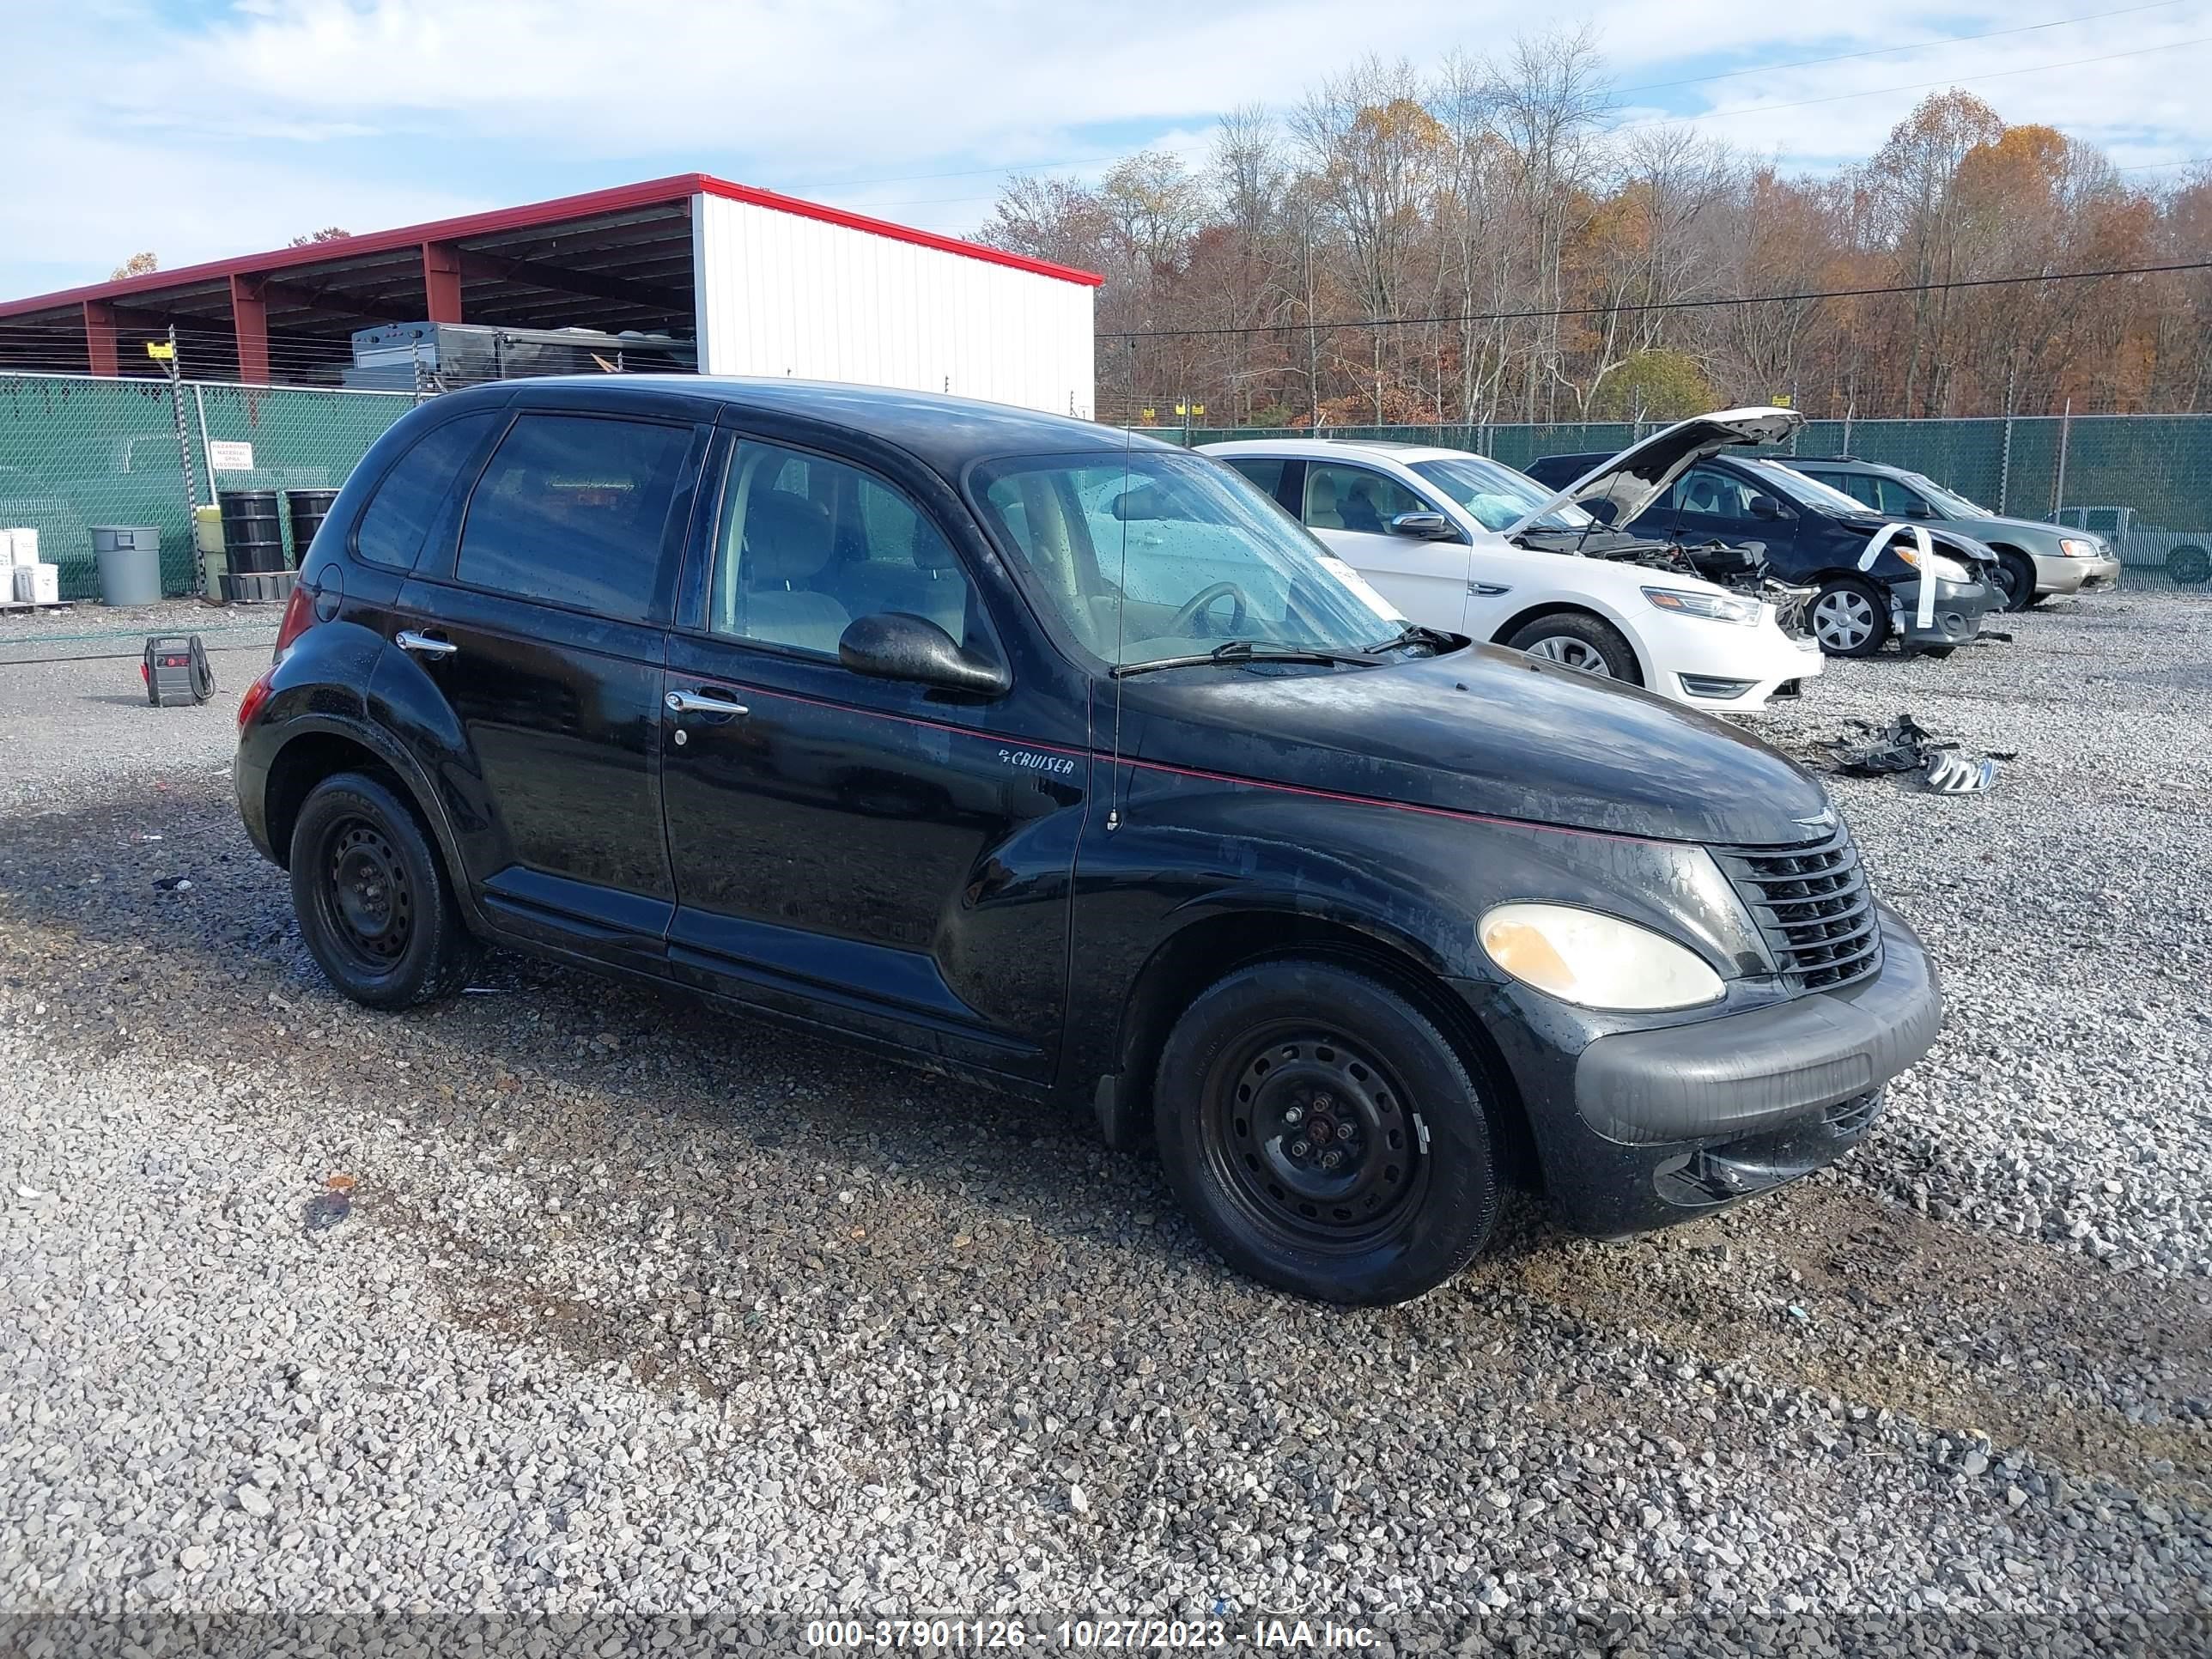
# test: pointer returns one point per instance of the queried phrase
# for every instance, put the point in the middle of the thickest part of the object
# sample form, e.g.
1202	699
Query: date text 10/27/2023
1141	1635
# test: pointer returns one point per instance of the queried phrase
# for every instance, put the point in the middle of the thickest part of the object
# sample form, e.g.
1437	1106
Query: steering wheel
1186	619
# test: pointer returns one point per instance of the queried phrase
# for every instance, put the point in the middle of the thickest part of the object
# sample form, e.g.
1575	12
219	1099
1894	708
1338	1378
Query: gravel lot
641	1310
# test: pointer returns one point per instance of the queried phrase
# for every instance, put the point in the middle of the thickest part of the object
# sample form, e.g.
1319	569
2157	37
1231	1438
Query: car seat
787	544
1358	510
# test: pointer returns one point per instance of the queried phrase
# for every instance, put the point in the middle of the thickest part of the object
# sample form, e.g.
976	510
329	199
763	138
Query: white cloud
134	125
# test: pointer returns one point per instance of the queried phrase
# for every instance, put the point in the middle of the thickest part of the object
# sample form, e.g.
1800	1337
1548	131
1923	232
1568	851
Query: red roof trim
781	204
678	187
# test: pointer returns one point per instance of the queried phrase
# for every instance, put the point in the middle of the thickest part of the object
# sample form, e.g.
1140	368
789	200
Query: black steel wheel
1315	1143
374	905
367	896
1324	1135
2189	565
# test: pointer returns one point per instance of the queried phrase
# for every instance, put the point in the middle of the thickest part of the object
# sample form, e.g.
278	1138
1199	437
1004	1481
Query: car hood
1984	529
1642	472
1481	731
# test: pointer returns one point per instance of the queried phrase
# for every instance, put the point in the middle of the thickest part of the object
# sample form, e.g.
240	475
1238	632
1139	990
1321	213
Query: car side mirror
1766	507
1919	510
1424	527
895	645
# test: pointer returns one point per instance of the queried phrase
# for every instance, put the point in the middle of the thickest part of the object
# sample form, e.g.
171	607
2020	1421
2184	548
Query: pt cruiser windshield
1145	558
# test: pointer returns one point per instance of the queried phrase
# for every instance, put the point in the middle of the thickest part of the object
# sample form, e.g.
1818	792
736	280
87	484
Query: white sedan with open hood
1459	542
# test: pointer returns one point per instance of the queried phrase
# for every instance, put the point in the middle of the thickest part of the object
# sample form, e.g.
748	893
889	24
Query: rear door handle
423	645
703	702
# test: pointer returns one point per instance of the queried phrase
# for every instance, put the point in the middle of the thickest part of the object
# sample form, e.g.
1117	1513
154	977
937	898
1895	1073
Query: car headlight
1715	607
1940	566
1595	961
2073	548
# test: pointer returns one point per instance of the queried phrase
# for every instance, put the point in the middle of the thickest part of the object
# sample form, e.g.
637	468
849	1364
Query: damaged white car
1459	542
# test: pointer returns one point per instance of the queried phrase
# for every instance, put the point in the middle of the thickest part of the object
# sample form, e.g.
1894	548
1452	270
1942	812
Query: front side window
573	510
808	546
1715	493
1859	486
399	515
1353	498
1144	556
1498	496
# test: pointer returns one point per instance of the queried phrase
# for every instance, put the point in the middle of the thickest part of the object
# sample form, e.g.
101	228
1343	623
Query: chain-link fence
78	452
82	450
2143	482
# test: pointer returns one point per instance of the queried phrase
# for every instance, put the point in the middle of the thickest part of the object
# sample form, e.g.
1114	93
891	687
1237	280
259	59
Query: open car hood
1644	471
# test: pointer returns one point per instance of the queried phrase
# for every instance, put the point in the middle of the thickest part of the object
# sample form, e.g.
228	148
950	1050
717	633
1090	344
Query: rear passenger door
873	854
542	628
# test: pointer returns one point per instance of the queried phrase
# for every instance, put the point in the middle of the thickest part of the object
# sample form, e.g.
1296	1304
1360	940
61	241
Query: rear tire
2016	580
1587	644
375	904
1324	1135
2189	565
1850	617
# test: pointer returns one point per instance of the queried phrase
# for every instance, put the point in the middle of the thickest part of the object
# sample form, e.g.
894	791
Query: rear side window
1265	470
573	510
399	515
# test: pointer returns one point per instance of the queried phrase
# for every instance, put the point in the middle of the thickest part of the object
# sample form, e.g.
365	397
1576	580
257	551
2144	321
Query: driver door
869	853
1350	508
1714	505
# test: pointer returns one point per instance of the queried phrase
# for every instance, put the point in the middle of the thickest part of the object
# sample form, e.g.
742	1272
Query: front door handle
696	702
423	645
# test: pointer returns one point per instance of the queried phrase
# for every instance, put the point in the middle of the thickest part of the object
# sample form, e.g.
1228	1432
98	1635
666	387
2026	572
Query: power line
1661	304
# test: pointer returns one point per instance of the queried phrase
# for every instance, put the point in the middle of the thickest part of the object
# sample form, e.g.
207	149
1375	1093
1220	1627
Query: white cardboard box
22	547
37	584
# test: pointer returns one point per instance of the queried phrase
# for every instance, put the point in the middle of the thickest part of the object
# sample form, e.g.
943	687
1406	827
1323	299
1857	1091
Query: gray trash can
130	557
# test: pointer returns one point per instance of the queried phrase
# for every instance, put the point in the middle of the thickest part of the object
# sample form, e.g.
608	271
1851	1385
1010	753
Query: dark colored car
2035	561
1865	567
1007	744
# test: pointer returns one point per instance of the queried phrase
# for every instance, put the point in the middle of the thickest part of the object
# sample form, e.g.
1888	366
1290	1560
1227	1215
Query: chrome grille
1813	907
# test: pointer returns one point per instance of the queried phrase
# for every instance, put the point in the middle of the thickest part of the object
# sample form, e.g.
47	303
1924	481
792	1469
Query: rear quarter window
399	514
573	510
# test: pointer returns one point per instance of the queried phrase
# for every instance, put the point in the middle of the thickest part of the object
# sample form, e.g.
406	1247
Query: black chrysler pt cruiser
1018	745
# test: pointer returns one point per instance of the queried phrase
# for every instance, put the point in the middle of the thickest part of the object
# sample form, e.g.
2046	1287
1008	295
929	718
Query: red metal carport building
767	283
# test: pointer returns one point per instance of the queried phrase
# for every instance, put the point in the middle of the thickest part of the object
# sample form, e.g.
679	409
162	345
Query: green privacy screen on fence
77	451
2158	465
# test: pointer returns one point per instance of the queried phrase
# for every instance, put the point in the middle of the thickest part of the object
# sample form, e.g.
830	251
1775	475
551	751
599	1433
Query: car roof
1373	449
1845	463
946	433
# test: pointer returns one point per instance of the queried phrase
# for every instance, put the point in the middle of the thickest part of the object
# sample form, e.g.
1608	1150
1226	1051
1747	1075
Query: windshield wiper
1413	634
1238	652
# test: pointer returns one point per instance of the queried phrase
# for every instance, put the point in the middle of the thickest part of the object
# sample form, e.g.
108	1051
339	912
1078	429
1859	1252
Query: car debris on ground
1906	749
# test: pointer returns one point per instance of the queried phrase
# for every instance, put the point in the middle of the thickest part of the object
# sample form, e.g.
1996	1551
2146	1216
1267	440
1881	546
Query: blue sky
199	128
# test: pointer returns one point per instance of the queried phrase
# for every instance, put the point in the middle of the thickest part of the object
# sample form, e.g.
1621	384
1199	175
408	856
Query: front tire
1586	644
2015	581
374	901
1850	617
1324	1136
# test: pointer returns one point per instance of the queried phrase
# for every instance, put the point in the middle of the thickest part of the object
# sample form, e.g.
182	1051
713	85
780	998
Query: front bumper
1673	1123
2056	574
1728	669
2099	576
1955	617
